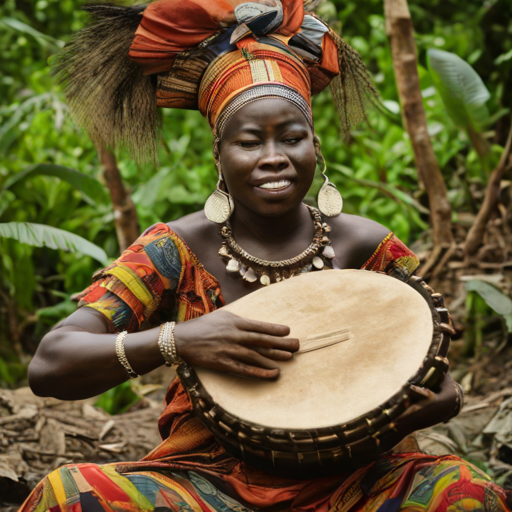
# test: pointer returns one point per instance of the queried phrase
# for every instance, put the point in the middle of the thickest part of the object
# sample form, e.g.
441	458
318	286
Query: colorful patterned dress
159	279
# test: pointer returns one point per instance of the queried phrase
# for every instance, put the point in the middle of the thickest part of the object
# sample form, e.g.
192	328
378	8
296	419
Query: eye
249	144
292	140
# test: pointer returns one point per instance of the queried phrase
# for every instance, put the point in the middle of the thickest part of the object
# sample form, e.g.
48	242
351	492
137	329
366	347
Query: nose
273	158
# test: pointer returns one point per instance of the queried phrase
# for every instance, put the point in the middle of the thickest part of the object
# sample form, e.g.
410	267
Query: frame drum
364	337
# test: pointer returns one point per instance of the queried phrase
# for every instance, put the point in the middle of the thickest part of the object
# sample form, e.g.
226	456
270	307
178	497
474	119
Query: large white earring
329	199
219	206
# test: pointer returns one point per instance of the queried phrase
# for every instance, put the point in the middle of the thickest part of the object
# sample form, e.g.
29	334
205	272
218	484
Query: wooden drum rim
326	450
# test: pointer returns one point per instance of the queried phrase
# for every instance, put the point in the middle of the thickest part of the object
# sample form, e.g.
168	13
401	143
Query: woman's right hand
229	343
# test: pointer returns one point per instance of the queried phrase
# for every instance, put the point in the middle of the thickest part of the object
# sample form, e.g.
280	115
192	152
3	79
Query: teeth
275	184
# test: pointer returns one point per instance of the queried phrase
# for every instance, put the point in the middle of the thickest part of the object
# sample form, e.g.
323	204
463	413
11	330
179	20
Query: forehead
265	114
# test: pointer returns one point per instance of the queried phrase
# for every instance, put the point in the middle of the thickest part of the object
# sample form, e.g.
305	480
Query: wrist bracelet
167	344
459	390
121	355
459	401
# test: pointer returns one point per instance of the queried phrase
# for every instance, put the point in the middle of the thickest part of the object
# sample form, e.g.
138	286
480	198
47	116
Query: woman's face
267	156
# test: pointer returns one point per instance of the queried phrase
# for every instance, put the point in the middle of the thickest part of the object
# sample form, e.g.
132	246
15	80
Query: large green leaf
88	185
494	298
39	235
463	92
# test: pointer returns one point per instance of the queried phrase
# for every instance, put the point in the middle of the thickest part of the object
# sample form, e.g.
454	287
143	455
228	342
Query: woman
258	64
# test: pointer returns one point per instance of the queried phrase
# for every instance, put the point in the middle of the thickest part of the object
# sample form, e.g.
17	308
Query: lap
95	488
397	483
422	483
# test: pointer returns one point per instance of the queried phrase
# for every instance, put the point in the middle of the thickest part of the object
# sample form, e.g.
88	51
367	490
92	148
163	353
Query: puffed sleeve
393	257
131	291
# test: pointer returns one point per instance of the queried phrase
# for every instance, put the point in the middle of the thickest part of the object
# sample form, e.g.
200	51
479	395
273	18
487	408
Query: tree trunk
399	30
125	214
476	233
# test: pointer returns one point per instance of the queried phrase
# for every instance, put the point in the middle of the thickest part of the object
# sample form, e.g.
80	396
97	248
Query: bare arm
77	359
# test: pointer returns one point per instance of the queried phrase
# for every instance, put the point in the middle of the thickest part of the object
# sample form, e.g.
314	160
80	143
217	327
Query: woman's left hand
432	408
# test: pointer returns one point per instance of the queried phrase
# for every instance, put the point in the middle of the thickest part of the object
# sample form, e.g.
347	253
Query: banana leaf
39	235
494	298
463	92
87	185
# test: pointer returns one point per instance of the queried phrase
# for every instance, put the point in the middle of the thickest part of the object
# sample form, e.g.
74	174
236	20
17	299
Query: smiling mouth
275	185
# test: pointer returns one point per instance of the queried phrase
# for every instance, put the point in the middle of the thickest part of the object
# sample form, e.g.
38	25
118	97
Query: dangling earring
329	200
219	206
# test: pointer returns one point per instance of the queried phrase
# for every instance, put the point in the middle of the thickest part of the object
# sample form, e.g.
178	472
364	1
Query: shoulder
195	230
366	231
355	239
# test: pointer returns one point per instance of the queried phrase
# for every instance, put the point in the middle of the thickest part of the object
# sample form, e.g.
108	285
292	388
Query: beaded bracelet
167	344
121	355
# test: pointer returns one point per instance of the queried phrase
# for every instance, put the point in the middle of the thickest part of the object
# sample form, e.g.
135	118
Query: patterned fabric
394	258
92	488
407	483
206	53
190	470
157	279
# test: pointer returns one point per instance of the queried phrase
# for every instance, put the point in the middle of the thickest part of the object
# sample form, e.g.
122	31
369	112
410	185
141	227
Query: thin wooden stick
125	214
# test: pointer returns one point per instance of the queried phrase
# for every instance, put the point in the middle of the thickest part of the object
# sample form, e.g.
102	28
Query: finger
421	393
264	327
265	340
245	370
276	355
248	356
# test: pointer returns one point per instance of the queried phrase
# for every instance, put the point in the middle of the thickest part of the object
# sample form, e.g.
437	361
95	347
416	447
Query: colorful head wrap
212	55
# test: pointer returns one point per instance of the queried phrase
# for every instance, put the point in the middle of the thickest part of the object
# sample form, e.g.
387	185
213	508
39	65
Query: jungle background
54	195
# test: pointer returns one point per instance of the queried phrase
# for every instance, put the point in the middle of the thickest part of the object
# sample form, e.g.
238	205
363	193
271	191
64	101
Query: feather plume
107	93
353	89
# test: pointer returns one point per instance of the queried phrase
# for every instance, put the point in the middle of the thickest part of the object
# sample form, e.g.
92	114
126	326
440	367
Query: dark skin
266	141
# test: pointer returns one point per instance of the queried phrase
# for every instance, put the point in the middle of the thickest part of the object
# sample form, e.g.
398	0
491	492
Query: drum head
362	335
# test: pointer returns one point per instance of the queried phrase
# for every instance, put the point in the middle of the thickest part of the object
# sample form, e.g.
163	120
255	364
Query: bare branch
492	194
125	214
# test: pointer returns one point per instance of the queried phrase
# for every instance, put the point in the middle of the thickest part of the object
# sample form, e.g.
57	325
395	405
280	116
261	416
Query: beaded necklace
318	255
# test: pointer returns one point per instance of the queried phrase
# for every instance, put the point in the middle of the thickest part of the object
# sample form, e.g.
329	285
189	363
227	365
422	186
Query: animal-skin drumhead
375	331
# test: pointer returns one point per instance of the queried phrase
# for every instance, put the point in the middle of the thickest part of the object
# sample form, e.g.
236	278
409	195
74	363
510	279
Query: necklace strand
319	253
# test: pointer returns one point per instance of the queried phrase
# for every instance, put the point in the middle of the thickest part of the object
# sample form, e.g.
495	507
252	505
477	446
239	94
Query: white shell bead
233	266
328	251
250	276
318	262
265	280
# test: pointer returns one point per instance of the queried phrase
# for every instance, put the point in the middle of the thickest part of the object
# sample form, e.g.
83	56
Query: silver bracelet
167	344
121	355
459	391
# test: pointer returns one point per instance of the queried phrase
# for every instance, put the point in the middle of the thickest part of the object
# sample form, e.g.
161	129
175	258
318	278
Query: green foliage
494	298
118	399
39	235
462	90
90	187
